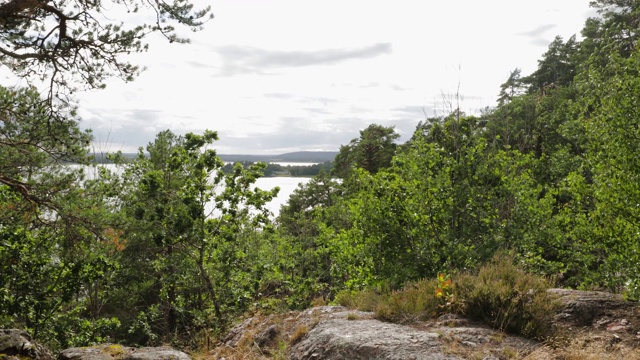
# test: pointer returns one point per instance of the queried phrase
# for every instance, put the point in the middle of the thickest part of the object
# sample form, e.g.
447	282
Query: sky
276	76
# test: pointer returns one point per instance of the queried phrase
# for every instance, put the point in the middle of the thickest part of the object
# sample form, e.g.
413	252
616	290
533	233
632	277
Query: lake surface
287	184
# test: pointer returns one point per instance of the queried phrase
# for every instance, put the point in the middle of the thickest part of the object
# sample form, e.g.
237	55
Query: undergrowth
500	294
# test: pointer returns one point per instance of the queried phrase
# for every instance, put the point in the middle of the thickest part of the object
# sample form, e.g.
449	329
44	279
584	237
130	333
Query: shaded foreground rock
593	308
17	344
111	352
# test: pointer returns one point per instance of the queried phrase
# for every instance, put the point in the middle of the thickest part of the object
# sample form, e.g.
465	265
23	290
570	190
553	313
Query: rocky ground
590	325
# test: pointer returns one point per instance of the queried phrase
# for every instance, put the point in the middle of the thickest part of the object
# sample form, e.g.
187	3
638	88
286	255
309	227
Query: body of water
287	185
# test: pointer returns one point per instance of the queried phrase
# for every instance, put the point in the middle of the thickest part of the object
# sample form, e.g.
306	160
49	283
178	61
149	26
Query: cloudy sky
274	76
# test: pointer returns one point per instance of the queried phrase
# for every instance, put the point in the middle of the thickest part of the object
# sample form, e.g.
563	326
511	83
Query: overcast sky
274	76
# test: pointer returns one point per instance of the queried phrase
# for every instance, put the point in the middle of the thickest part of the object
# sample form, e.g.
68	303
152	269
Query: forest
172	250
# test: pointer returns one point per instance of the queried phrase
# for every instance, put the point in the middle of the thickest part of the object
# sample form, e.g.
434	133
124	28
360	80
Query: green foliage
193	238
306	226
372	151
445	203
52	239
34	142
556	68
48	291
511	88
73	329
610	115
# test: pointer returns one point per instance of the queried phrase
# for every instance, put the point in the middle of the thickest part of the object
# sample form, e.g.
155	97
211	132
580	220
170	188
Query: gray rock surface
589	308
335	332
19	344
345	336
156	353
89	353
111	352
368	339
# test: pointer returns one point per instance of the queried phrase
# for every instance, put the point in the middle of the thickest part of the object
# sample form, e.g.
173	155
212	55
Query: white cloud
309	75
247	59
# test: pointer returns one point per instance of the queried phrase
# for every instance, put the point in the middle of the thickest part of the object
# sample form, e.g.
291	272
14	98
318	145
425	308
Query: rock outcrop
595	309
595	325
17	344
372	339
335	332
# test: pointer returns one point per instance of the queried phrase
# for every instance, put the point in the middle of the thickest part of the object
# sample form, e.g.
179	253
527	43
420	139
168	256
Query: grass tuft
414	302
298	334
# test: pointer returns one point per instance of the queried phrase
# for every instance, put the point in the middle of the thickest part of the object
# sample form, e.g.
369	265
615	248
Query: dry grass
352	316
414	302
318	301
245	346
365	300
456	347
298	334
585	347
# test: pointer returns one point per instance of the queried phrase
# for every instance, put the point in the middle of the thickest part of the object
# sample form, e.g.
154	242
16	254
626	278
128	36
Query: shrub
500	295
414	302
508	299
365	300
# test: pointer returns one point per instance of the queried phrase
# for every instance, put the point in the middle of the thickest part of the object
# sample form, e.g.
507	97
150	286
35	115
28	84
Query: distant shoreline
293	157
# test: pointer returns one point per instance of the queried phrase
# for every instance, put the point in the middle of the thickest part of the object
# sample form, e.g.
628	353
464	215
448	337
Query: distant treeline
300	156
108	158
275	169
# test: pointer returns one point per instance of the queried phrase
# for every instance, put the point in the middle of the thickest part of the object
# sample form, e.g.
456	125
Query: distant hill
298	156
